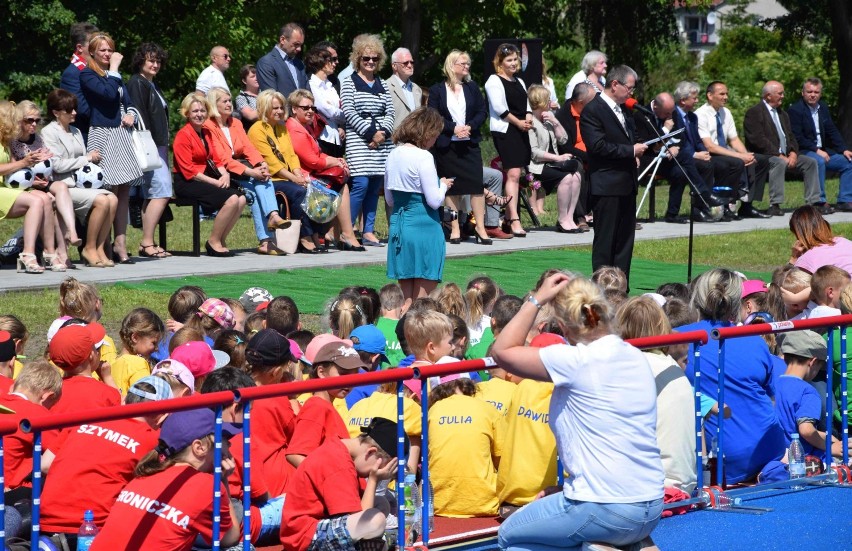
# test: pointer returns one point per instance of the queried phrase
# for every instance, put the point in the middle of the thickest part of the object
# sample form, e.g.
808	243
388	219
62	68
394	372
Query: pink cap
751	286
414	385
318	342
178	370
199	357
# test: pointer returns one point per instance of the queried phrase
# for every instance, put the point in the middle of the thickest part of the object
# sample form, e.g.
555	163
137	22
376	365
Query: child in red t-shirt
325	509
170	502
318	420
75	485
7	361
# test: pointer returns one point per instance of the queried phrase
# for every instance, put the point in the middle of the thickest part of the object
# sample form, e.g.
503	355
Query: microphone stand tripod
694	190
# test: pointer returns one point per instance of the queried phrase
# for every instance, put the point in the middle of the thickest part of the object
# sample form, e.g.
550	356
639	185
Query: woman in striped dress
368	109
109	133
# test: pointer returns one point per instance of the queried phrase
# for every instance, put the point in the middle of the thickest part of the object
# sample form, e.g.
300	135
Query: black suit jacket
70	81
761	135
476	111
272	72
566	119
805	131
612	166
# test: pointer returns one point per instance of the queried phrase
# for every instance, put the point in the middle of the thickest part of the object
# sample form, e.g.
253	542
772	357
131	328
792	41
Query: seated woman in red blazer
200	174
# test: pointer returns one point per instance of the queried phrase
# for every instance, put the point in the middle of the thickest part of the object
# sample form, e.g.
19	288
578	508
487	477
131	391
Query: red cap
72	345
543	340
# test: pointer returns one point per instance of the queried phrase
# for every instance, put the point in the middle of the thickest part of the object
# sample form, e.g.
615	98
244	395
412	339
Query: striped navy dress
367	109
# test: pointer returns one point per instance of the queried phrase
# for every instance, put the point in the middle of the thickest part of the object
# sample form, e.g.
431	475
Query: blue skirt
416	248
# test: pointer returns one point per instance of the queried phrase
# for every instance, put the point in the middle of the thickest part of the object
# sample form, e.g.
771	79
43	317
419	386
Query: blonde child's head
79	300
185	302
479	297
41	382
391	300
427	333
141	331
826	285
641	317
796	291
450	300
610	277
17	329
345	314
582	310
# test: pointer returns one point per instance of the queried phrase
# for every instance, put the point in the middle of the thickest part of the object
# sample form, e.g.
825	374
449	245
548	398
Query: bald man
213	76
663	107
768	133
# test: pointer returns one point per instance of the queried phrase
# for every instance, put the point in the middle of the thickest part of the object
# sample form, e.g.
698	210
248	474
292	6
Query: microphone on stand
634	105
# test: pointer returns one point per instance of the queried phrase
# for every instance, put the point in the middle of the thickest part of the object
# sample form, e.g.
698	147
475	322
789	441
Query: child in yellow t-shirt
141	331
498	389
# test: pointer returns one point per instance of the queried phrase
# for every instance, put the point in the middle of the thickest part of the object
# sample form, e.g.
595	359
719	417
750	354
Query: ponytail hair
480	296
78	300
717	294
345	315
582	308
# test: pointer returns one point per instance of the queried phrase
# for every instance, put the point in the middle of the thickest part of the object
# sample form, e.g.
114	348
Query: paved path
176	266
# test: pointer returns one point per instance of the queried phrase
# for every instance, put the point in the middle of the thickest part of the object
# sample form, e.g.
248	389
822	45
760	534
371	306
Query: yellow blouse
260	135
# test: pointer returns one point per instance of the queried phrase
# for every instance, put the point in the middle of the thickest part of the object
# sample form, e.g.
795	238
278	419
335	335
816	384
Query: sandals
52	263
28	263
494	200
157	251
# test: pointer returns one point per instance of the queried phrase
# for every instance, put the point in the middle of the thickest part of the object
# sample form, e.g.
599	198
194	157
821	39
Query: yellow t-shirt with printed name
465	437
529	454
497	392
127	369
382	404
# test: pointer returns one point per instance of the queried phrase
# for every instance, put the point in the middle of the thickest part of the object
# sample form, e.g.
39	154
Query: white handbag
144	147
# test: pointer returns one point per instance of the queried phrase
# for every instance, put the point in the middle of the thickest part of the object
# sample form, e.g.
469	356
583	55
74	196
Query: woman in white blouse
416	248
322	63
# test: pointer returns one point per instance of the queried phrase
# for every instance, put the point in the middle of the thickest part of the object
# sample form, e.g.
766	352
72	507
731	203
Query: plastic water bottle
796	460
87	532
431	520
410	506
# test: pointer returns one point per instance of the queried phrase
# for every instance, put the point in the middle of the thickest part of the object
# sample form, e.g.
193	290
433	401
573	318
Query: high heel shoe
494	200
346	246
73	242
304	250
28	263
455	240
52	263
98	263
482	240
119	260
507	227
213	252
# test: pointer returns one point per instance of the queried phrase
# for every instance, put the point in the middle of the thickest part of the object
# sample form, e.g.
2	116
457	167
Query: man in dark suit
820	140
768	132
678	175
70	79
569	117
610	142
280	69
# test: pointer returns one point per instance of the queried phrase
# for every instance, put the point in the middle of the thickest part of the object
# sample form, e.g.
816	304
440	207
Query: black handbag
569	166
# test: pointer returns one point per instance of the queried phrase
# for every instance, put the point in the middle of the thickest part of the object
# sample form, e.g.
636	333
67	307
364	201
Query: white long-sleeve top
498	107
412	169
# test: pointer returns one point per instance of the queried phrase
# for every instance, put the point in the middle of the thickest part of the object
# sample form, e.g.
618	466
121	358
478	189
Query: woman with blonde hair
603	412
456	152
200	174
111	122
35	206
557	169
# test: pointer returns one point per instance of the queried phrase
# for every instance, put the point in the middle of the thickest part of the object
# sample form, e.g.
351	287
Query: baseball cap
162	390
268	348
295	351
383	432
546	339
751	286
72	345
414	385
181	428
7	346
176	369
340	354
656	297
55	326
318	342
254	296
806	344
200	358
219	311
369	339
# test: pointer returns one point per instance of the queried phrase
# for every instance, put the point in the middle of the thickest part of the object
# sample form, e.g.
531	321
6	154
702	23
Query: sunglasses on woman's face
29	120
370	59
307	108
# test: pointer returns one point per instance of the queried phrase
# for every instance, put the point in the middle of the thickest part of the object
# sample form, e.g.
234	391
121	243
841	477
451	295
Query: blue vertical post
2	502
217	479
720	458
560	471
696	382
36	513
400	472
829	399
247	476
424	469
844	400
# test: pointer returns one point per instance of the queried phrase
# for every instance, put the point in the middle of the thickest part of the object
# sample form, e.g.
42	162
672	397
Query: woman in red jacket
200	174
246	167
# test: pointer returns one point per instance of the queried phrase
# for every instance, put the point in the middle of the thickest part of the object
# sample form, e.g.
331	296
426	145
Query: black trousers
615	228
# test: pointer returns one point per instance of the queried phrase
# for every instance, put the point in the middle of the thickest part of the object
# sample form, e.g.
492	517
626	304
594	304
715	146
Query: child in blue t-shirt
797	402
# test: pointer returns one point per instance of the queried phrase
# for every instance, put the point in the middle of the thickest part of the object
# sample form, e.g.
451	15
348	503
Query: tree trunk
410	27
840	12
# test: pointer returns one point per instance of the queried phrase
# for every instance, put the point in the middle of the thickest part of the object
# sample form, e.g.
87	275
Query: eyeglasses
32	120
629	88
463	63
224	56
369	59
306	108
408	63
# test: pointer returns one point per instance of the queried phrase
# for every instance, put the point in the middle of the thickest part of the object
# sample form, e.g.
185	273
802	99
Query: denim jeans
557	523
364	198
264	203
836	163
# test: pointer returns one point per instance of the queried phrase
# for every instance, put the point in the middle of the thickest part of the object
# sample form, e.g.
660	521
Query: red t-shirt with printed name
272	425
325	485
95	463
163	512
18	447
81	393
317	421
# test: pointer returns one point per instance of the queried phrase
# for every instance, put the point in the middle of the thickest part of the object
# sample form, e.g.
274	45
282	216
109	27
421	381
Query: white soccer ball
89	176
22	179
43	170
